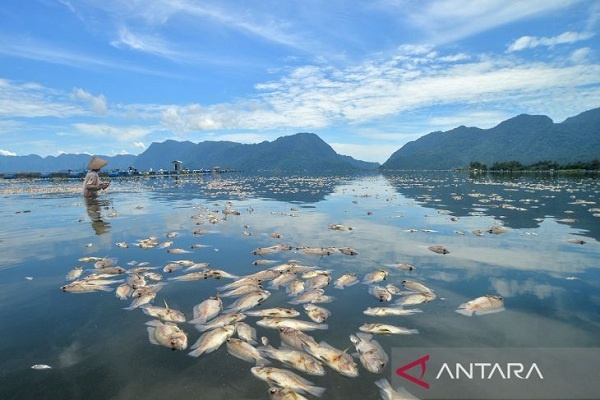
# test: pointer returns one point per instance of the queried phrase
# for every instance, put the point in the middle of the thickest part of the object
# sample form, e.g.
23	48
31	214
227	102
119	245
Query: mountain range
524	138
302	153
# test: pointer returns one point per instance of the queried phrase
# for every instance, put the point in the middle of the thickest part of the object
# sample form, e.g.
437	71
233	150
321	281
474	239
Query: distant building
176	165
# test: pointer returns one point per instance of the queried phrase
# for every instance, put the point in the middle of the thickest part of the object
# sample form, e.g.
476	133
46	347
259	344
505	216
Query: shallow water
100	351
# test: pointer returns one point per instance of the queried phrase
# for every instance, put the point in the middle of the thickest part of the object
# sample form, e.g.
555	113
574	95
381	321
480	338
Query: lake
98	350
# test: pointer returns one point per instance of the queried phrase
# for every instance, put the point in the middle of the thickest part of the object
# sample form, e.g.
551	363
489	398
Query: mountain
302	152
61	163
524	138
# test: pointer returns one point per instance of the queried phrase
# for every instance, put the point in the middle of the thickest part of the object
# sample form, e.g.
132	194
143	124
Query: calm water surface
98	350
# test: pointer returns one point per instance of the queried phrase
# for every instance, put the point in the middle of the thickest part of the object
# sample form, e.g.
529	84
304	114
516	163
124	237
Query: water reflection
94	207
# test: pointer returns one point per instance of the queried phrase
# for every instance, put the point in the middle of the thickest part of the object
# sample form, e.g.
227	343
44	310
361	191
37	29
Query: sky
111	77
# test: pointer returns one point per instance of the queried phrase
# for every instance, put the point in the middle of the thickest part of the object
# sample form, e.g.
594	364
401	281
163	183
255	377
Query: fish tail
196	353
413	332
315	390
464	311
492	311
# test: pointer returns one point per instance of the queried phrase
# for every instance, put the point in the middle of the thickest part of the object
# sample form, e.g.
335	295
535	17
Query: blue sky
111	76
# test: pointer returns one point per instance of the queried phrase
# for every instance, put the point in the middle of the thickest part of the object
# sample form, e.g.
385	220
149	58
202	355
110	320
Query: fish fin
151	336
201	328
492	311
413	332
197	352
315	390
364	336
464	311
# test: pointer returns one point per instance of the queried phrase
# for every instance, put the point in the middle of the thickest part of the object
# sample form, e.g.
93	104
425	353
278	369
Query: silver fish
375	276
316	313
287	379
387	392
166	334
84	287
245	351
349	251
220	321
74	273
386	329
211	340
242	290
482	305
245	332
348	279
439	249
385	311
416	298
278	393
277	322
371	354
40	366
416	286
295	338
163	313
178	251
123	291
336	359
295	287
380	293
140	301
296	359
274	312
248	301
206	310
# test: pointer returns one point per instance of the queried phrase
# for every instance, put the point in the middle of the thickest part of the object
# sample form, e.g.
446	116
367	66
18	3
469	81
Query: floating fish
211	340
413	299
380	293
316	313
371	354
166	334
287	379
245	351
374	277
163	313
416	286
482	305
74	273
336	359
279	393
207	310
278	322
40	366
220	321
439	249
348	279
387	311
274	312
388	393
386	329
294	358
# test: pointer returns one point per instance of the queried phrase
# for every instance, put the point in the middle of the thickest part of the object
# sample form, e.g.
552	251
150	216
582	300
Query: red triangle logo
419	381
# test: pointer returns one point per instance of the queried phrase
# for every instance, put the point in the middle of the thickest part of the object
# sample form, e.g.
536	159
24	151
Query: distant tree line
544	165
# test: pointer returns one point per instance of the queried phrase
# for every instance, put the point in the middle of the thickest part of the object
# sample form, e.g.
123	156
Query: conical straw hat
97	163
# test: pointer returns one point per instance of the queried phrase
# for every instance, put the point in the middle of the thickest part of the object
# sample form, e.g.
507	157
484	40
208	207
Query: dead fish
348	279
476	232
279	393
217	274
388	393
297	359
245	351
171	235
275	235
170	267
274	312
371	354
575	241
336	359
114	270
482	305
242	290
374	277
166	244
263	262
198	246
416	286
85	287
349	251
177	251
286	379
192	276
386	329
40	366
166	334
163	313
278	322
439	249
386	311
136	281
380	293
74	273
308	297
122	245
316	313
245	332
416	298
318	281
339	227
317	251
248	301
406	267
89	259
105	262
141	300
220	321
207	310
271	249
295	338
211	340
497	230
295	287
123	291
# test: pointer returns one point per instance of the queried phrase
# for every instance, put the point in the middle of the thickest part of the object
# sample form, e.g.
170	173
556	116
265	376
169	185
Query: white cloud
139	145
120	133
530	42
7	153
98	103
